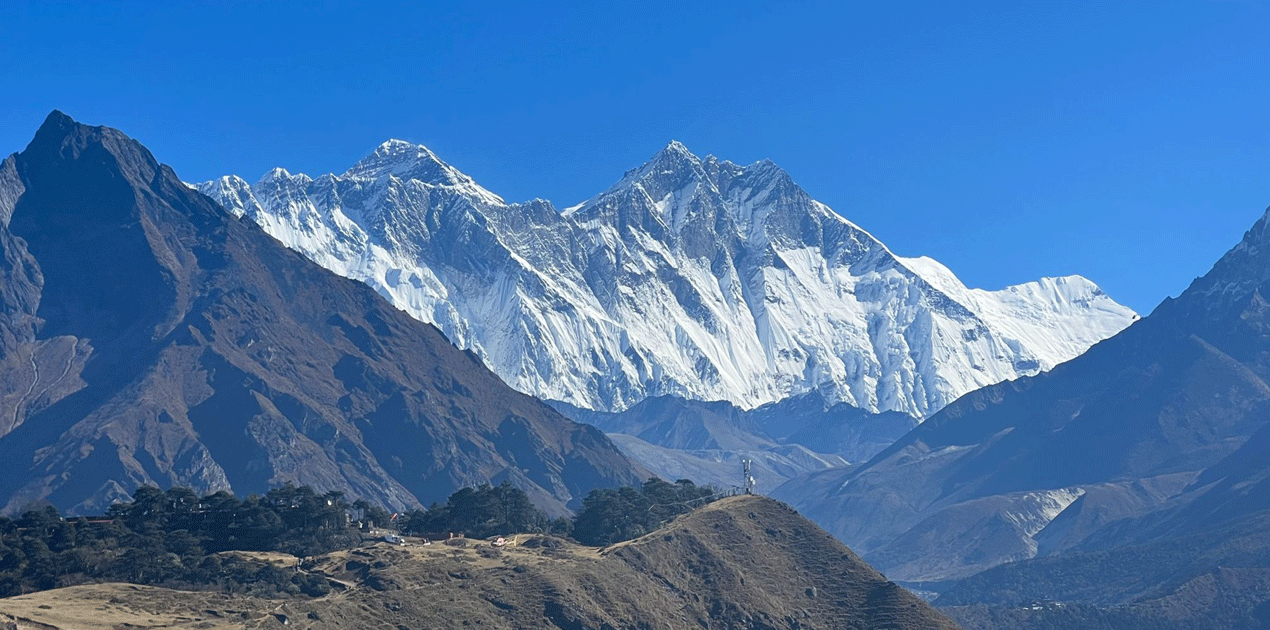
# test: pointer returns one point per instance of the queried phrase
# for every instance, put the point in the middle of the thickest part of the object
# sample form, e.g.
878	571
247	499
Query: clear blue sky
1125	141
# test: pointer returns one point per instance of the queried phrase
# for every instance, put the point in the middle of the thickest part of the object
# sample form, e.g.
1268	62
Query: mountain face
742	562
149	337
707	441
1125	472
703	441
696	278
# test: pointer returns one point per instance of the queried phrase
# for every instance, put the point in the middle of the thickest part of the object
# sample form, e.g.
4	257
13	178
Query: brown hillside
744	562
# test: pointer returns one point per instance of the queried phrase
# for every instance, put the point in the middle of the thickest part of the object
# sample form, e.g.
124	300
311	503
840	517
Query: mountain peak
61	139
677	159
675	147
674	161
674	154
57	121
276	172
409	161
398	157
1235	276
53	133
58	130
767	171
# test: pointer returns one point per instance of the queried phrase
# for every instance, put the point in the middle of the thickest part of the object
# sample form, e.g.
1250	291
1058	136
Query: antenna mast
748	481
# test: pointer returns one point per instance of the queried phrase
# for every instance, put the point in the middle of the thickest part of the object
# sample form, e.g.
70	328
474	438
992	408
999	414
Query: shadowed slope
1119	475
151	337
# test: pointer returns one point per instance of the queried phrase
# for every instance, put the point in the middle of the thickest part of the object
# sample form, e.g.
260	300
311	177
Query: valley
635	316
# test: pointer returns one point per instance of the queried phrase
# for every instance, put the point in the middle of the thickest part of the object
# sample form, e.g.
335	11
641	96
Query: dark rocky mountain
706	441
677	423
825	427
742	562
147	336
1124	474
1202	562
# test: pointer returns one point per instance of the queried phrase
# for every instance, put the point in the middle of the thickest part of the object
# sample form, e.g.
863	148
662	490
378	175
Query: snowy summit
691	277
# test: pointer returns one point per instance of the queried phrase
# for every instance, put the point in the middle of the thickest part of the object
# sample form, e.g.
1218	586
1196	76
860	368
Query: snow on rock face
691	277
1032	511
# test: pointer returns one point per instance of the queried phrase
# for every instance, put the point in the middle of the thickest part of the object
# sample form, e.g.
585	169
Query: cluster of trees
612	515
174	538
607	516
482	512
293	520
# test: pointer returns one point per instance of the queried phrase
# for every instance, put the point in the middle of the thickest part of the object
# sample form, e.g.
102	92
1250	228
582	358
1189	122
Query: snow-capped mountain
692	277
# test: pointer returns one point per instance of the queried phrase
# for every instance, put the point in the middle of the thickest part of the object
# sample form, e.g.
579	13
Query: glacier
692	277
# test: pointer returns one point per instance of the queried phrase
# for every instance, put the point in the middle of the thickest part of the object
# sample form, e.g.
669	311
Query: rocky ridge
692	277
